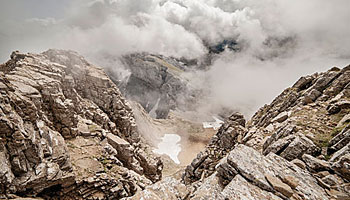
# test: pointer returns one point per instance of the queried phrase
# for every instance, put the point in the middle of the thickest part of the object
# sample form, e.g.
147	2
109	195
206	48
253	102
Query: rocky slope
157	83
67	133
297	147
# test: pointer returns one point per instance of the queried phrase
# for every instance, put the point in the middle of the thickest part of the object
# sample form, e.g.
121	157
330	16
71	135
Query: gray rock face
299	146
240	188
315	164
255	167
168	188
340	140
342	166
255	176
49	99
156	83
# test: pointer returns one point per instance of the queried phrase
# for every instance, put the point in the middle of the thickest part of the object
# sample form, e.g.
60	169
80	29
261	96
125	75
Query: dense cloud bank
278	40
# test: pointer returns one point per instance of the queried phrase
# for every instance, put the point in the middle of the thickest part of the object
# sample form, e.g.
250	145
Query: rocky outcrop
307	120
220	144
168	188
263	177
295	148
156	82
57	98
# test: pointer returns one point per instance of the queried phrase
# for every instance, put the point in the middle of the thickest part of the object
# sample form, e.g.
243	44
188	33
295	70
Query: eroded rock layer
66	131
157	83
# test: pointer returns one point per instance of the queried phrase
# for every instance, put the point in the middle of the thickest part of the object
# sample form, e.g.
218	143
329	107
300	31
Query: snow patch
169	146
215	125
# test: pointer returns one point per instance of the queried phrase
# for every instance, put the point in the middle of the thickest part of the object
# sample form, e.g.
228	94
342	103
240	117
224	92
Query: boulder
342	166
225	171
291	181
336	107
314	164
279	186
337	155
299	146
340	140
278	146
240	189
332	180
299	163
254	167
168	188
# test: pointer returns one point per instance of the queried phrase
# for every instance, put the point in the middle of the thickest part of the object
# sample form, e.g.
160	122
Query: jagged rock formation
295	148
156	82
66	131
220	144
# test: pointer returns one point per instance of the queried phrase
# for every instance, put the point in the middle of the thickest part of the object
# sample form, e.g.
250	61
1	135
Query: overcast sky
280	40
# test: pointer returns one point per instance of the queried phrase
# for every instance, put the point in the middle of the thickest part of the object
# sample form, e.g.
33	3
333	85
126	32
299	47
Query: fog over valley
272	41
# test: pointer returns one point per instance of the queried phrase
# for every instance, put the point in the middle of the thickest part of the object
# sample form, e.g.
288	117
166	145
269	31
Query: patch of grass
322	139
337	130
299	123
104	161
327	157
80	174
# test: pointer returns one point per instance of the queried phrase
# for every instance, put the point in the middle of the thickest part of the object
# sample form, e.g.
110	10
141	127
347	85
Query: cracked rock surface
67	132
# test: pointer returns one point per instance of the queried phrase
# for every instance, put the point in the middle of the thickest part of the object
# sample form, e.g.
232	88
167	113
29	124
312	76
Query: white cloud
280	40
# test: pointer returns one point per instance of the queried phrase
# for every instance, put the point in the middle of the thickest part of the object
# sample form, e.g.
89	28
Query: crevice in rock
53	191
282	149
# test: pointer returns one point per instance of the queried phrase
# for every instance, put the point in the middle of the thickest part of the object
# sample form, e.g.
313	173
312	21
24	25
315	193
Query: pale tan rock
299	163
280	117
279	186
241	189
291	181
323	174
254	167
315	164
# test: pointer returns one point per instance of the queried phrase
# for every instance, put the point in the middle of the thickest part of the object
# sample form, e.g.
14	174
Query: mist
279	41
